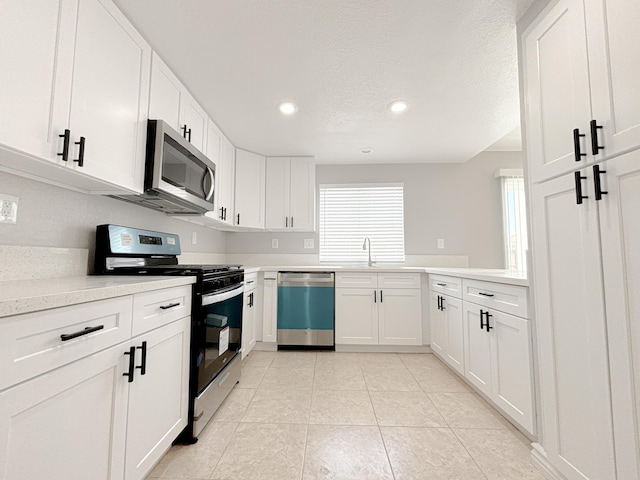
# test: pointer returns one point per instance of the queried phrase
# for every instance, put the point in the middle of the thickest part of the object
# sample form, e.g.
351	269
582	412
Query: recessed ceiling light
367	150
398	106
288	108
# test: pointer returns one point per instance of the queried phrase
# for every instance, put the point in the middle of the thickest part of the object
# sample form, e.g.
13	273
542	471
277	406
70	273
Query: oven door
220	332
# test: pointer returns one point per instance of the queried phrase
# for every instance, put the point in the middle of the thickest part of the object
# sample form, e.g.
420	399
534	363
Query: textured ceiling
342	62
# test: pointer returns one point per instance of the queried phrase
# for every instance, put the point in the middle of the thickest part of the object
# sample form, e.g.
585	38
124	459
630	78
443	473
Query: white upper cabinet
614	49
249	205
580	81
78	67
291	194
225	183
170	101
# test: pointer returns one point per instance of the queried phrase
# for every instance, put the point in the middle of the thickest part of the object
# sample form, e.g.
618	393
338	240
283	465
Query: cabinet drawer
357	280
398	280
447	285
507	298
159	307
31	344
250	281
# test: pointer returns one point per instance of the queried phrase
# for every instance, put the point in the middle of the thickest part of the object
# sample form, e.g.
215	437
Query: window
349	213
514	219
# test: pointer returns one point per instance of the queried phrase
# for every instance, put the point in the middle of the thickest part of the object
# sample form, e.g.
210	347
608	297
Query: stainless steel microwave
178	179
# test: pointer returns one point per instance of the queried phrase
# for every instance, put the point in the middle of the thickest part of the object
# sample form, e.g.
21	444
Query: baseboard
539	459
265	346
384	348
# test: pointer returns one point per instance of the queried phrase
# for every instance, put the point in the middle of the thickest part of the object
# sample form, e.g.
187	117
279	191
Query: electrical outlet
8	208
194	238
274	243
308	243
441	243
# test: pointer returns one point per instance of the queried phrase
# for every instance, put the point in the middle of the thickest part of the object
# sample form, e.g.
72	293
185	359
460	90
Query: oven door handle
222	296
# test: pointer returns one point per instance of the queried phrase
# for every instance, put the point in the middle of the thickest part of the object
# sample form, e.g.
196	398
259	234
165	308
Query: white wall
460	203
50	216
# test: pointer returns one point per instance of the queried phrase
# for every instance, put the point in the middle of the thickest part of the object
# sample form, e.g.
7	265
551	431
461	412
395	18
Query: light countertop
486	274
24	296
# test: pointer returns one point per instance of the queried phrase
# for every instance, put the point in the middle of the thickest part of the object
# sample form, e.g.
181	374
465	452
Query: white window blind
514	219
349	213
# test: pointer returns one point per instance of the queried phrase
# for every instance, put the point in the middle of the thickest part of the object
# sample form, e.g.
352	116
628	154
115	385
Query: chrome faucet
364	247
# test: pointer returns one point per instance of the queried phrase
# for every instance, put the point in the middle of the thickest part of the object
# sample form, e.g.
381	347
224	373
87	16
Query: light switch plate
308	243
274	243
441	243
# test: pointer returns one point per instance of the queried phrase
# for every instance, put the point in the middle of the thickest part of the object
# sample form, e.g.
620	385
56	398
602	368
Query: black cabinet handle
184	130
69	336
132	361
291	222
238	219
380	296
596	182
143	359
482	312
375	298
578	179
486	294
442	307
225	213
439	305
576	145
286	222
80	158
189	135
489	327
221	213
65	146
595	148
171	305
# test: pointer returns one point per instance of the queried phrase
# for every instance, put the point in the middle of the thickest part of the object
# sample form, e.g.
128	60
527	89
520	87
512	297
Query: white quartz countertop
487	274
25	296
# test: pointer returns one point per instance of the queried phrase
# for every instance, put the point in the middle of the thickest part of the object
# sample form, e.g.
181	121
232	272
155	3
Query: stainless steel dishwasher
306	309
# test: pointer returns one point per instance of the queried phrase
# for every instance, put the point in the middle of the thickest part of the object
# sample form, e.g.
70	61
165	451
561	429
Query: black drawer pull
65	145
69	336
595	148
80	158
441	284
596	182
486	294
576	145
171	305
132	362
143	360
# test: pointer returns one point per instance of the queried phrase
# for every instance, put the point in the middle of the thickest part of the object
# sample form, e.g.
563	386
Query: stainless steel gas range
216	317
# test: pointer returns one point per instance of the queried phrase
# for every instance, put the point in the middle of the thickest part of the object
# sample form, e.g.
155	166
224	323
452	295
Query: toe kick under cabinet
481	329
94	391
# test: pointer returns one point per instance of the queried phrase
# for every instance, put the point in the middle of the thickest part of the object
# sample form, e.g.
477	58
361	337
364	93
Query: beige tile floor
351	416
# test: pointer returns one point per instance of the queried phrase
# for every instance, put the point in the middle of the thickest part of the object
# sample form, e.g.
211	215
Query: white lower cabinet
375	315
106	414
249	314
446	330
489	347
270	308
498	360
67	424
158	396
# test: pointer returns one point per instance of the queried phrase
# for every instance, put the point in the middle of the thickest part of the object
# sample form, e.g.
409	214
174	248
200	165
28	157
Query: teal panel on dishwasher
305	307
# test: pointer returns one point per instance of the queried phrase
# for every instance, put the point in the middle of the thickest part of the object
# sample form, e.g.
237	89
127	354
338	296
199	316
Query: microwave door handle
221	297
207	173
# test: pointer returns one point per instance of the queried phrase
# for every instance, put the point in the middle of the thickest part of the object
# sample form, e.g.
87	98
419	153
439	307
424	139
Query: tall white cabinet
249	190
580	66
76	101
